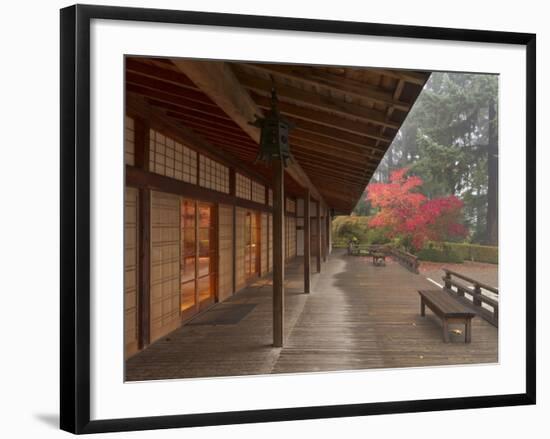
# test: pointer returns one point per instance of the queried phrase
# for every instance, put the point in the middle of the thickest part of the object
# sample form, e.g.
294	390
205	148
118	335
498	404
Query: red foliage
410	214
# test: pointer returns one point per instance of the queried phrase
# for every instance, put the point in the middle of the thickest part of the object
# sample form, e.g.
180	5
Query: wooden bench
378	258
448	310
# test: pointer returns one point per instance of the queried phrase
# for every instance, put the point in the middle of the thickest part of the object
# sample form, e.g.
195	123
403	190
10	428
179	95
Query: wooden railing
406	259
473	293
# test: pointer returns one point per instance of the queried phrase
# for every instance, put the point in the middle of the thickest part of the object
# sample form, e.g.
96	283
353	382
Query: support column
278	252
307	243
318	242
329	233
233	232
144	235
324	235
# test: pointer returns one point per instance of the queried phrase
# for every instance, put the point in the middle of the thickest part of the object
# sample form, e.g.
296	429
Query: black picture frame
75	217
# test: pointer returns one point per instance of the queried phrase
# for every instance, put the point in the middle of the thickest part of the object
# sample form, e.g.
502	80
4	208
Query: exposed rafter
218	81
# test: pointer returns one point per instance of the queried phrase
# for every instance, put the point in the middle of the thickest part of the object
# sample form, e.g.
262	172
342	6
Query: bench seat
448	309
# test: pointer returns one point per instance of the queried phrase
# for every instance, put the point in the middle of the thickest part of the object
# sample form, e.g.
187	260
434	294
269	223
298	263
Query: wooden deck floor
358	316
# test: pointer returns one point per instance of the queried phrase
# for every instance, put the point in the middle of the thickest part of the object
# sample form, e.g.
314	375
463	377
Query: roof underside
345	118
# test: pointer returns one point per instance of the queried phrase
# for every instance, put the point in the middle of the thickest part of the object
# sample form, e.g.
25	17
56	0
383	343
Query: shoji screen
165	263
240	247
130	271
225	249
263	245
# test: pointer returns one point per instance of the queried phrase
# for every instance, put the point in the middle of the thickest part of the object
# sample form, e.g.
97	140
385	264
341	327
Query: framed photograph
268	219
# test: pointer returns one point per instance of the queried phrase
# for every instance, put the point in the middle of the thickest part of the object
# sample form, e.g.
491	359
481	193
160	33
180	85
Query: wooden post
144	235
307	243
324	228
232	191
329	232
278	252
319	236
144	270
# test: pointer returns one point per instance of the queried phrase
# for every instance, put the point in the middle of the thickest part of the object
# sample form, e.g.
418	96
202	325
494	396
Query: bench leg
422	307
445	331
468	332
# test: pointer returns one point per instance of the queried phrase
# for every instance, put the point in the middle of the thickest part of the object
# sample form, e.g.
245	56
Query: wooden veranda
190	153
358	316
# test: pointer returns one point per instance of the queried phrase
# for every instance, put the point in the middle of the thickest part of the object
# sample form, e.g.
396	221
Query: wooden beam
185	135
313	77
396	94
218	81
307	243
139	178
278	253
314	100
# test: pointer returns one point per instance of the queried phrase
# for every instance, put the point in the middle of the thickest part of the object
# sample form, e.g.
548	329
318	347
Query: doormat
224	314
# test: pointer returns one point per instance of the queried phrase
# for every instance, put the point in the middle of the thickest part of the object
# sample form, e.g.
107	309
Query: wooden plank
316	78
359	317
405	75
366	141
341	155
337	144
323	118
278	252
136	65
314	100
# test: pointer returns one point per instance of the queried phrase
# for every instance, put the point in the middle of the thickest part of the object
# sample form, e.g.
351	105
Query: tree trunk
492	171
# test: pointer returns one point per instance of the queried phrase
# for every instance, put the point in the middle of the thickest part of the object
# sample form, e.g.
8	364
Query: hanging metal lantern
274	144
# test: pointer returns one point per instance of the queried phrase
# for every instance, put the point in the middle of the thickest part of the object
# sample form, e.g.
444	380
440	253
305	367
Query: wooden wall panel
240	248
225	251
130	271
291	237
270	242
263	245
165	264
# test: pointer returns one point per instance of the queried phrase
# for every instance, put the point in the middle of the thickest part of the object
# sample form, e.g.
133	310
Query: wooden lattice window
172	159
258	192
213	175
129	141
290	205
243	187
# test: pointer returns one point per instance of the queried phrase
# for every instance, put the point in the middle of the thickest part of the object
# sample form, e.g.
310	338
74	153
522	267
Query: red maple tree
406	213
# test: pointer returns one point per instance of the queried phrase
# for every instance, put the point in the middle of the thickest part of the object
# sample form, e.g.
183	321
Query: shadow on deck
357	316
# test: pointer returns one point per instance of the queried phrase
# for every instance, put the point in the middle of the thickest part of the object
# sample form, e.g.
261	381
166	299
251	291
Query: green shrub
445	254
345	228
467	252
